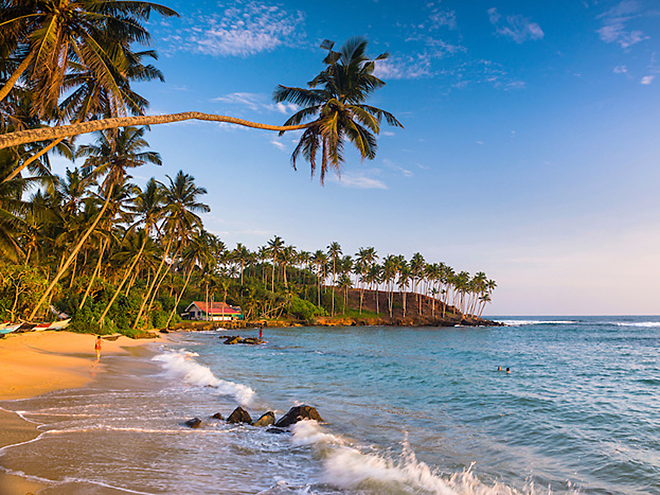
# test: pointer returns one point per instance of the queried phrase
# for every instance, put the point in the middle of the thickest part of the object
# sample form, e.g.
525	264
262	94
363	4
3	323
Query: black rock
218	416
298	413
193	423
275	430
266	419
239	415
233	340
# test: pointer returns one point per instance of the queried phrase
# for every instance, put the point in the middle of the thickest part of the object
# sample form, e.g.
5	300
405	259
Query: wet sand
35	363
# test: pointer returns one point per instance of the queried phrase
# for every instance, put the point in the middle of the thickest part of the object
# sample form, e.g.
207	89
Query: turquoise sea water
406	410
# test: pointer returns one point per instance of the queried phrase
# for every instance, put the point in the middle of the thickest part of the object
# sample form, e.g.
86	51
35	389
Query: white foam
643	324
310	433
518	323
348	468
182	365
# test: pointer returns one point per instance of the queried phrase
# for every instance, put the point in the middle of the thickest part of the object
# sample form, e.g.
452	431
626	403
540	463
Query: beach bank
35	363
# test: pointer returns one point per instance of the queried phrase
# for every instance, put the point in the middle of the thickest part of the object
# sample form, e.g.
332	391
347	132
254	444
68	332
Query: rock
266	419
164	330
193	423
233	340
275	430
218	416
298	413
237	339
239	415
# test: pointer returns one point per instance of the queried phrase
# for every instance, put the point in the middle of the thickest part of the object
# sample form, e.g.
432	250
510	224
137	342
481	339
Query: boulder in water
218	416
298	413
266	419
239	415
193	423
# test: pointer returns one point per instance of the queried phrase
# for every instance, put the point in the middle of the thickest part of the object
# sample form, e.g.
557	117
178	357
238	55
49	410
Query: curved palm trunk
73	255
48	133
178	299
128	273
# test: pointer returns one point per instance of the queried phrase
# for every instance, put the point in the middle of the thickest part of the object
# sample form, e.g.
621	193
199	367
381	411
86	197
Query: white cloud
257	102
615	21
516	27
245	29
359	181
620	69
278	144
647	79
404	67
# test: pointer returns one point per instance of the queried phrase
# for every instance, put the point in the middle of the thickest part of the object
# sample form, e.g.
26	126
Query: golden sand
34	363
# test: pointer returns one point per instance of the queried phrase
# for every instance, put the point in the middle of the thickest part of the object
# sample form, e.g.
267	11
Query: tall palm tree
275	247
334	254
181	200
336	98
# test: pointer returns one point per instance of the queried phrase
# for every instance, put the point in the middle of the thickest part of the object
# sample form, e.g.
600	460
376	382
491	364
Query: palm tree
334	253
417	266
275	247
336	97
320	261
180	197
44	38
110	156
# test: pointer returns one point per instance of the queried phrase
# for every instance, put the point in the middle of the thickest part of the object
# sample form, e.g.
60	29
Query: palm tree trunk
153	282
123	281
94	275
178	299
76	249
11	82
33	158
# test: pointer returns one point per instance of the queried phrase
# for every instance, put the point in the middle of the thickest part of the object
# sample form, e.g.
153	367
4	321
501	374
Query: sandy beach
32	364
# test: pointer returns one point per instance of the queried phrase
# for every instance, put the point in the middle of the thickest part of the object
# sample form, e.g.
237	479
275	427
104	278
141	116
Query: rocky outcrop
193	423
239	416
266	419
298	413
218	416
237	339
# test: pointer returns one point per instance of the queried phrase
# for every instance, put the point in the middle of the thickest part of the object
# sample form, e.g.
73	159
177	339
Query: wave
182	365
643	324
347	468
518	323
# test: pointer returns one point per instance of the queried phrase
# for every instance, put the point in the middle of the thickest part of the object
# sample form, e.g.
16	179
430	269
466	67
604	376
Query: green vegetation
118	257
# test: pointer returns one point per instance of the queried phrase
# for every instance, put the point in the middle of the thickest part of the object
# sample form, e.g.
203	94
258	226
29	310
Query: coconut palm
42	38
336	99
334	254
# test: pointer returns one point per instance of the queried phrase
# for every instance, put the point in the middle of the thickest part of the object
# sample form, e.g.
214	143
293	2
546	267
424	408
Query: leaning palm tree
336	98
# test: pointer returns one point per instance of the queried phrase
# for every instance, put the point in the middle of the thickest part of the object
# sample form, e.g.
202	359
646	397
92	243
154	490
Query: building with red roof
219	311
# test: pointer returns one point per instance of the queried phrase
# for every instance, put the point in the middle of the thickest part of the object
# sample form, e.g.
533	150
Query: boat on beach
6	328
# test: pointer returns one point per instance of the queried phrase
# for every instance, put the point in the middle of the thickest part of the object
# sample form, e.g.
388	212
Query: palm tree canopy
43	40
336	98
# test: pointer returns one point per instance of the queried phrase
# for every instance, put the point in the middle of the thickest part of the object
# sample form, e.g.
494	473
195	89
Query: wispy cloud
245	29
278	144
615	22
257	102
620	69
482	72
404	67
398	168
647	79
516	27
357	180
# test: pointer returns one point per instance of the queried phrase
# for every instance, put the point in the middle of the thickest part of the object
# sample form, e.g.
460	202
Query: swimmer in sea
508	370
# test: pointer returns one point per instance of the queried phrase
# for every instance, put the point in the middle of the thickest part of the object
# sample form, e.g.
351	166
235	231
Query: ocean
406	411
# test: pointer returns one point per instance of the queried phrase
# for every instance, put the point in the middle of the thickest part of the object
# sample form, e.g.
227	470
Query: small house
218	311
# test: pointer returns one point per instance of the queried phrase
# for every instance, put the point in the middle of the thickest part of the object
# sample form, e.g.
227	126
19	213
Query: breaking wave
182	365
348	468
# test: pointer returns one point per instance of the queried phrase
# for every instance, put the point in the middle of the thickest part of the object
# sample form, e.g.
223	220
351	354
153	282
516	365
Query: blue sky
530	149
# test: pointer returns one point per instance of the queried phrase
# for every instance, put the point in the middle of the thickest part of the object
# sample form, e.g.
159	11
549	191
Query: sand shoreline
35	363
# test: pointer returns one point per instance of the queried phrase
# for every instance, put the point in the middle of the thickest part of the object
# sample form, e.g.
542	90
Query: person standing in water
97	347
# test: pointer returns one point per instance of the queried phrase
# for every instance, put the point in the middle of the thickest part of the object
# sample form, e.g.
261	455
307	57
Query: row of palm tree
435	282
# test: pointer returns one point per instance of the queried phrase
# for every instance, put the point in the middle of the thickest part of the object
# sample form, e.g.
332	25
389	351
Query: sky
530	147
